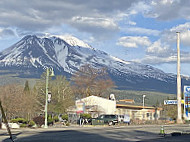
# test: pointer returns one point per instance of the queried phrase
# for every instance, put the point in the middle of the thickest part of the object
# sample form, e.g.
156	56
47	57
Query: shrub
39	120
22	120
31	123
64	117
14	121
86	115
19	120
23	125
50	120
55	118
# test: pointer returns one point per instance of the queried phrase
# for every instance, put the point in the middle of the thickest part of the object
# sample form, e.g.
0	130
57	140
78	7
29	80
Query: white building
97	105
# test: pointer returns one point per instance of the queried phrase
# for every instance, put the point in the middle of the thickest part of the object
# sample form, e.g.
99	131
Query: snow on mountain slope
69	39
73	41
66	57
30	52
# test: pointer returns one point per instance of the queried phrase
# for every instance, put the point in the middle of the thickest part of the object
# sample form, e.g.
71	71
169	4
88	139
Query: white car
126	119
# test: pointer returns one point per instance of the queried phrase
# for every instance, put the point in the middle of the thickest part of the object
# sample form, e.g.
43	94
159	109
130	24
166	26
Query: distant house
138	112
95	106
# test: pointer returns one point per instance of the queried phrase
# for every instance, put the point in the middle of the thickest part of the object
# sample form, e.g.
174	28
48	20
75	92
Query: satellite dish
112	97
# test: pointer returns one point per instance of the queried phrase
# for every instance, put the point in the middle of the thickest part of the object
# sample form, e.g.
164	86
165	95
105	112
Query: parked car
108	119
126	119
120	118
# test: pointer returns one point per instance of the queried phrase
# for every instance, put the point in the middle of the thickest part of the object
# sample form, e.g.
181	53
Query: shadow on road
63	136
14	136
88	135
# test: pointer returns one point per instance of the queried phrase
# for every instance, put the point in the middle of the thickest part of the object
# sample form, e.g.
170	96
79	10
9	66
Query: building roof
135	107
127	100
92	96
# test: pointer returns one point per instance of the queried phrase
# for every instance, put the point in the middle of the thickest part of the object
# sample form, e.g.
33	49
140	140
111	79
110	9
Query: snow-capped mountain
66	55
73	41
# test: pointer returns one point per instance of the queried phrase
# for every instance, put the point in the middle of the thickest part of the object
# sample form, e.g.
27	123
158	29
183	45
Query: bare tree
89	81
16	102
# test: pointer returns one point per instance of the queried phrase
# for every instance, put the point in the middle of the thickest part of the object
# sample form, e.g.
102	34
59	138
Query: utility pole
48	71
179	117
143	100
46	101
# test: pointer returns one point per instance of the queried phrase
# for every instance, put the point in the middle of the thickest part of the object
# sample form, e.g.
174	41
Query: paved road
144	133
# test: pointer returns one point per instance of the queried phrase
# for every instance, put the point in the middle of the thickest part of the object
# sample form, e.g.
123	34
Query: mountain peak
73	41
30	37
69	39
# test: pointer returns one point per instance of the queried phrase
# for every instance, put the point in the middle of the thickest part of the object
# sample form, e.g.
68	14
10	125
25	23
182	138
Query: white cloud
132	23
142	31
181	27
134	41
160	49
184	30
170	35
99	27
96	22
6	33
92	17
164	49
168	9
139	7
160	52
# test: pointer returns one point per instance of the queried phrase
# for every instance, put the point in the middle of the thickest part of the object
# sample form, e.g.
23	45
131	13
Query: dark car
108	119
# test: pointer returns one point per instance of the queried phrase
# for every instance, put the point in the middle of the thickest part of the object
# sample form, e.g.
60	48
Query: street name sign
170	102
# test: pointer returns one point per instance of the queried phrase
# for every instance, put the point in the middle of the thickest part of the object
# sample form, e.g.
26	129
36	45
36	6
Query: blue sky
134	30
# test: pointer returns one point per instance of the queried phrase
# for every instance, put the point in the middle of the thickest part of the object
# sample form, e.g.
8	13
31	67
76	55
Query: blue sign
186	89
187	96
186	100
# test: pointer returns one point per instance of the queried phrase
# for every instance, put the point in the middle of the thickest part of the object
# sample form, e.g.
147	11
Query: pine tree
26	87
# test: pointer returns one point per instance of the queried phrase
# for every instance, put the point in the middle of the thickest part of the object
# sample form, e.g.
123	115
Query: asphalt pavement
140	133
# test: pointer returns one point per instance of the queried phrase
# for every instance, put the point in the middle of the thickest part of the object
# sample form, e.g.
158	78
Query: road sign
170	102
187	89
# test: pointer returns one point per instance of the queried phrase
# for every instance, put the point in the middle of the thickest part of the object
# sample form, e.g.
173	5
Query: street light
49	72
143	100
